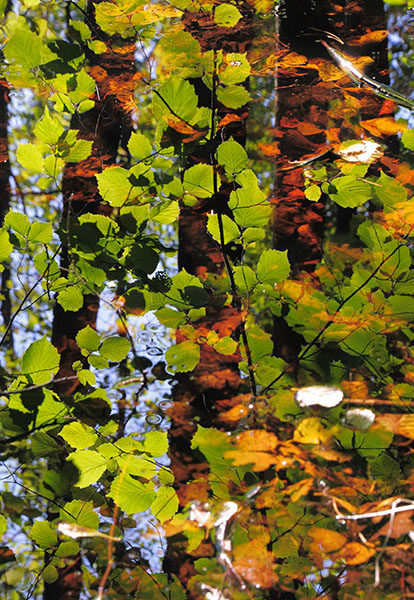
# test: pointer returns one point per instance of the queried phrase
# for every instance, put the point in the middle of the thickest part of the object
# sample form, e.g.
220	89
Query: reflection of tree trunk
104	124
5	174
215	383
307	124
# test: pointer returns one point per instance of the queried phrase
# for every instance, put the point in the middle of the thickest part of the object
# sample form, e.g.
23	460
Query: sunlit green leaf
88	338
273	266
90	464
199	180
227	15
30	156
232	156
165	504
131	495
182	357
115	348
40	362
70	298
233	96
230	230
78	435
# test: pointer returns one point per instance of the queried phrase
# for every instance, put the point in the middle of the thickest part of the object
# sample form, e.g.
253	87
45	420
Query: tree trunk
105	124
309	124
215	384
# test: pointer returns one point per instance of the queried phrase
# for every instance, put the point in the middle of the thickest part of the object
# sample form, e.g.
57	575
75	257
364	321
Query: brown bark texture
313	116
215	383
106	124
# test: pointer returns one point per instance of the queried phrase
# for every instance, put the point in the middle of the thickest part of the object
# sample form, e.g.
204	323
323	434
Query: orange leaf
269	149
373	37
234	414
179	125
382	126
231	118
355	554
260	461
256	439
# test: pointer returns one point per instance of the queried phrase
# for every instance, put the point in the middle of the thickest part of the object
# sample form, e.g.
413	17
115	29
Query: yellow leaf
326	540
311	431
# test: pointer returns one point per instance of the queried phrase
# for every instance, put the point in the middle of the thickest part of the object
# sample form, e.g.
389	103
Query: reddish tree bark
105	125
215	383
307	124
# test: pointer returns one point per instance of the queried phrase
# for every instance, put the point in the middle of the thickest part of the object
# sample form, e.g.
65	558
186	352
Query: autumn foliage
207	380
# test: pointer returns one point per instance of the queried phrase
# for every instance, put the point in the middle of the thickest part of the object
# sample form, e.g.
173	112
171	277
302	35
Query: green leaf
88	339
244	278
237	68
114	186
407	138
350	192
80	512
227	15
176	96
6	247
233	157
115	348
273	266
268	368
43	534
90	464
385	467
81	150
48	129
250	207
86	377
18	222
233	96
40	362
131	495
253	234
156	443
82	88
230	229
30	156
170	317
165	504
182	357
199	180
40	232
79	435
98	362
24	48
71	298
3	525
313	192
390	191
226	345
260	343
165	212
139	146
50	573
43	444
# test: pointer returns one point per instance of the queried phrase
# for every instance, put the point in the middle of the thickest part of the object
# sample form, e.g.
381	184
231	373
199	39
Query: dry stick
332	320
